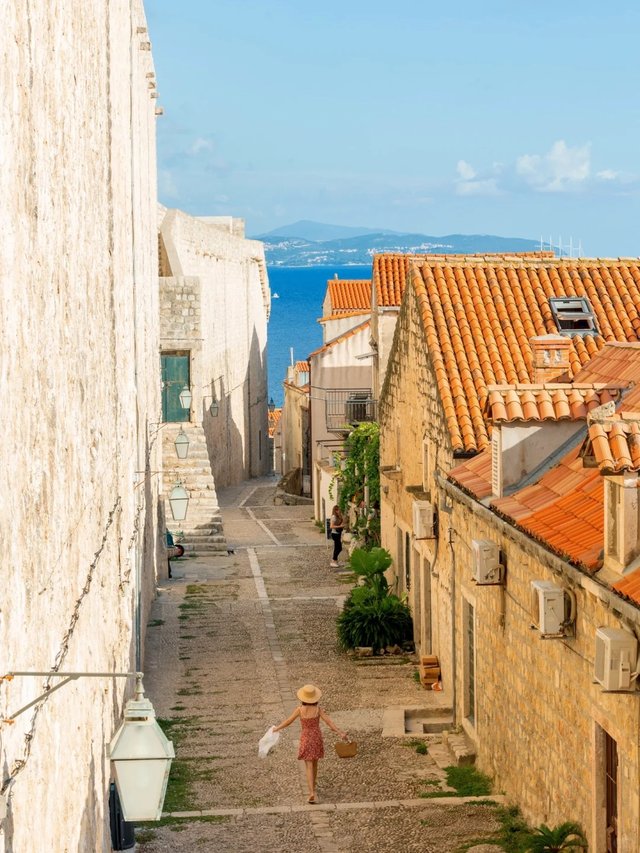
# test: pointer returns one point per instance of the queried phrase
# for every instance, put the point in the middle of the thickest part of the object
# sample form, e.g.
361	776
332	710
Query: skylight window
573	315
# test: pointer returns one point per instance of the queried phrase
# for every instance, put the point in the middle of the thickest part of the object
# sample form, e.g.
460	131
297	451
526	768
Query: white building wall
234	304
79	376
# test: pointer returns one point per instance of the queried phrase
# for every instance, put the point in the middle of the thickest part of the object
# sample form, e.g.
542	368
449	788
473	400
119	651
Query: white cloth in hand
268	740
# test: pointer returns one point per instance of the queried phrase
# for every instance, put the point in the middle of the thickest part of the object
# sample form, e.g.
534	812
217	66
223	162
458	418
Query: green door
175	375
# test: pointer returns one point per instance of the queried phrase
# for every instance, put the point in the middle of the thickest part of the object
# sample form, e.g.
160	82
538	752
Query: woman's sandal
312	801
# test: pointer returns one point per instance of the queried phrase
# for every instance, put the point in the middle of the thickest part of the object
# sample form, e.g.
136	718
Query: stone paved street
230	640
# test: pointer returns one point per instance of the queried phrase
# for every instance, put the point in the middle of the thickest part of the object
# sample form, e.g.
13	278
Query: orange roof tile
390	270
629	587
564	510
615	442
274	420
479	316
301	367
551	401
341	315
343	337
349	294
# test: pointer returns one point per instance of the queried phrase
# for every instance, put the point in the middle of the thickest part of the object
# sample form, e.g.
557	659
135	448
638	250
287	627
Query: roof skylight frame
573	315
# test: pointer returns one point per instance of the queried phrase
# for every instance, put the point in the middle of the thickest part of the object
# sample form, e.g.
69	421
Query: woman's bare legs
311	780
315	774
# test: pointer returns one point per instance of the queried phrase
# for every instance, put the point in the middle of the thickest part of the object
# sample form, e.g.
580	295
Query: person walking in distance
336	525
311	747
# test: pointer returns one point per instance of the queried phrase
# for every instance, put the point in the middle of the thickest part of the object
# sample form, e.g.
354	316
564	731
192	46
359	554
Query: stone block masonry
79	313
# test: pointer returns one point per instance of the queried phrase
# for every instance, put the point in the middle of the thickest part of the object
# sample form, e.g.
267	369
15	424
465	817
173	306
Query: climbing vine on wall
358	475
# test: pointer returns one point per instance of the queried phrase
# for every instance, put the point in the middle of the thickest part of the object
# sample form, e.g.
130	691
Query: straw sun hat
309	694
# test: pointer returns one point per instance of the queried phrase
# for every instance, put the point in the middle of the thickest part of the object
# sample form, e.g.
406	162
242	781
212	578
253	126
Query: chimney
621	521
550	358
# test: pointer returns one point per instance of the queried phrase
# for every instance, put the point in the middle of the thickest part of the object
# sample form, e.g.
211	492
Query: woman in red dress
311	744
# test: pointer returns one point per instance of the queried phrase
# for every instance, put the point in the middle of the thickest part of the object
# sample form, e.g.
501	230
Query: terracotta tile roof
390	271
349	294
474	475
479	317
341	315
551	401
629	587
615	442
274	420
301	367
563	510
343	337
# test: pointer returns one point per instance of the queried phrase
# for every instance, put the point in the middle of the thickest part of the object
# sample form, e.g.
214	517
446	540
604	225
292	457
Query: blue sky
511	118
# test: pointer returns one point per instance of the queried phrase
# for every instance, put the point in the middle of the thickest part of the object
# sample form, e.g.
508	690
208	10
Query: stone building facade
214	307
471	333
79	377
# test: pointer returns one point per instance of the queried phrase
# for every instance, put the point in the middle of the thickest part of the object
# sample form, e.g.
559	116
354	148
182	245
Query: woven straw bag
346	749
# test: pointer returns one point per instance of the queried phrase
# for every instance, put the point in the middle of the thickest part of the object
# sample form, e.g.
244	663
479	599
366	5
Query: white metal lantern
179	501
185	397
141	758
182	444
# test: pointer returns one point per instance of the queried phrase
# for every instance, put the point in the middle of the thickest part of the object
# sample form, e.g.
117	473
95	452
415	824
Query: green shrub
468	781
371	566
564	837
375	622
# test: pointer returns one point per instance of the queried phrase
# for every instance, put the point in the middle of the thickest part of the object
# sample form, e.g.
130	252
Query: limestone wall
537	711
412	425
537	718
219	280
79	378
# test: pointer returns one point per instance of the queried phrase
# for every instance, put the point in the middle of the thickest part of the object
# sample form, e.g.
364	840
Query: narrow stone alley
230	640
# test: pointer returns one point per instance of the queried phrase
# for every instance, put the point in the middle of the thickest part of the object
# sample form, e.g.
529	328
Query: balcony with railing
347	407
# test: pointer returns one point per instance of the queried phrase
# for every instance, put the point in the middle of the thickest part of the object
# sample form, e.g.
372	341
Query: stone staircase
202	528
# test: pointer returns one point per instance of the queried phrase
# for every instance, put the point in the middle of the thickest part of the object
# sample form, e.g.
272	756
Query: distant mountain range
307	244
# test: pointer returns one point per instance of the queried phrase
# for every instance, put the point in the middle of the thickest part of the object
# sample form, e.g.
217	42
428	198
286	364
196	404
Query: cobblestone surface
220	672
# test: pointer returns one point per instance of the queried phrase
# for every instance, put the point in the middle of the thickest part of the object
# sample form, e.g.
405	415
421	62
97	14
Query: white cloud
561	169
607	175
200	144
465	170
488	186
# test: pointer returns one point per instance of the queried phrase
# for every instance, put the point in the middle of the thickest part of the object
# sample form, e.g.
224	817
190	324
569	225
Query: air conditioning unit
616	659
485	561
423	520
552	608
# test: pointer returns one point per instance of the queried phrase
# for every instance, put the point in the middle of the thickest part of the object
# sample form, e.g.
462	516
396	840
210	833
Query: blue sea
294	315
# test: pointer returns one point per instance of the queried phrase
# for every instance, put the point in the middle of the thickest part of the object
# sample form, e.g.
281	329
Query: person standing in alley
311	747
336	526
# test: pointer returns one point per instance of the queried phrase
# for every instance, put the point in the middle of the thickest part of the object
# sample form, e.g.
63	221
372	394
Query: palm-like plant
371	566
564	837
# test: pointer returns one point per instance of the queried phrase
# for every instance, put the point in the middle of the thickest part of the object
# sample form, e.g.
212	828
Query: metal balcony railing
348	407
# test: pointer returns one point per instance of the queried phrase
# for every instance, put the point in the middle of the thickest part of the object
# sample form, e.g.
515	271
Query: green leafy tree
358	480
567	836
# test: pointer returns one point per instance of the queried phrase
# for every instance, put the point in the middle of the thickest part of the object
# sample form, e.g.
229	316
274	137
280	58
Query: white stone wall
225	330
79	377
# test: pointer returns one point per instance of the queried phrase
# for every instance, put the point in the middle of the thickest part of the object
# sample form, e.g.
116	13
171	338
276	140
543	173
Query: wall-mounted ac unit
423	520
485	561
552	609
616	659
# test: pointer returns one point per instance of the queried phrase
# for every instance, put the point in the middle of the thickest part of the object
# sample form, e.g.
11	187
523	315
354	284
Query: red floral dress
311	744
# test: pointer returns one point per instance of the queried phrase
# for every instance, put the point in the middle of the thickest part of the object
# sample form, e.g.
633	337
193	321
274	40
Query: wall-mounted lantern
214	408
179	501
141	757
185	397
182	444
272	405
139	751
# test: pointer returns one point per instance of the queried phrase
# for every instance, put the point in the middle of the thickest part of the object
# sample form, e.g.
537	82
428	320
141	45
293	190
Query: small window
573	315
